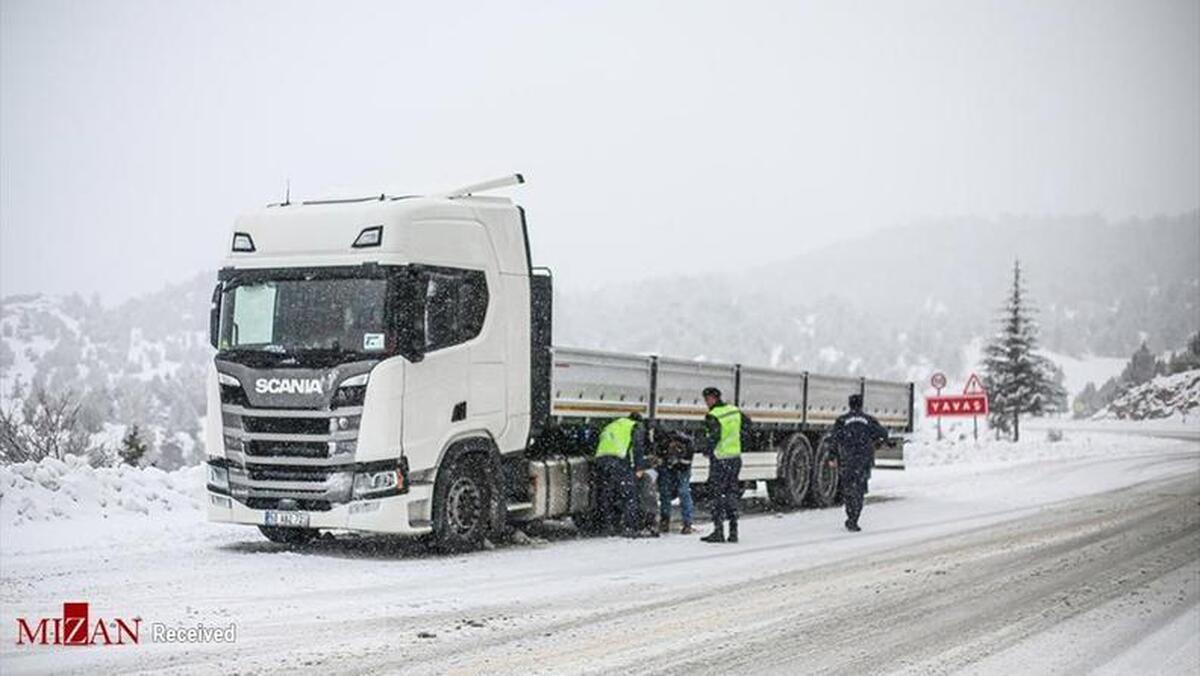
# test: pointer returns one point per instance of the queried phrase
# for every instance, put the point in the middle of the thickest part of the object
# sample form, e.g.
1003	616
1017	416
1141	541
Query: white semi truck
384	365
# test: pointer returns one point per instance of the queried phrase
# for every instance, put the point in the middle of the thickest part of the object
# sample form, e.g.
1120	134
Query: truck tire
824	490
795	473
461	500
288	536
588	523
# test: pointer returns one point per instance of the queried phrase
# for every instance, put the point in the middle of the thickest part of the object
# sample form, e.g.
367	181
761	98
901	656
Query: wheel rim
463	504
827	483
798	471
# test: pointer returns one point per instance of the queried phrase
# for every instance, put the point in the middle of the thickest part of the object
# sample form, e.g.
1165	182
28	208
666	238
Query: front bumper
406	513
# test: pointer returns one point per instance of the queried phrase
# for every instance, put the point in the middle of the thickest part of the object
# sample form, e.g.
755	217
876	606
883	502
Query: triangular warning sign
974	386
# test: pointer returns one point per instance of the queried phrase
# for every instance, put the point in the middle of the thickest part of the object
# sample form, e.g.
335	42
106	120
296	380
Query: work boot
664	525
732	531
718	534
687	529
852	526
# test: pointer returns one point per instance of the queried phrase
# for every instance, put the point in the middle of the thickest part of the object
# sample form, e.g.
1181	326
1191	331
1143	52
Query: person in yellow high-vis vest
723	427
620	455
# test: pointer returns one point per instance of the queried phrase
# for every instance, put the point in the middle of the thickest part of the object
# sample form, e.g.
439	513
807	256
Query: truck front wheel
288	536
462	502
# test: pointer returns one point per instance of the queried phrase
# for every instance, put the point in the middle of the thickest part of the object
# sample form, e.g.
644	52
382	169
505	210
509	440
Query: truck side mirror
214	317
409	315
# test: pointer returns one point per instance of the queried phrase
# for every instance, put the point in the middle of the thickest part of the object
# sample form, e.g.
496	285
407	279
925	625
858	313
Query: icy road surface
1079	556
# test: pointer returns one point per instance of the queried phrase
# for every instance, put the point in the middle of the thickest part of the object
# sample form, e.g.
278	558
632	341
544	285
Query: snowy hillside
138	363
891	305
1174	396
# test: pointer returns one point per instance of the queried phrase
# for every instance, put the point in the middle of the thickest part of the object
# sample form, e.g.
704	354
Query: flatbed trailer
790	411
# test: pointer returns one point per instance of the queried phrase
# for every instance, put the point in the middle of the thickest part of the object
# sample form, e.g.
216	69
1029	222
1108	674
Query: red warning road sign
965	404
974	386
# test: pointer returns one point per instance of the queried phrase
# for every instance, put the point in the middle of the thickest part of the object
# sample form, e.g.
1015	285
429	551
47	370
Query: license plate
288	519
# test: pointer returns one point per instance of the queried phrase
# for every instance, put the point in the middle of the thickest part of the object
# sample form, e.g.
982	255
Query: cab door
444	396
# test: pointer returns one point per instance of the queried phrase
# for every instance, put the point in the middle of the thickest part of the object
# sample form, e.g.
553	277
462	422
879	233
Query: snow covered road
1029	558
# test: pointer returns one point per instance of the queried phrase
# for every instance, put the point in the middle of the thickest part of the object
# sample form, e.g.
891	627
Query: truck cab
362	344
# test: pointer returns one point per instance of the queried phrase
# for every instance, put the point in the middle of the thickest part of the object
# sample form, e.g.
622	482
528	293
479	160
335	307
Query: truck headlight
359	380
369	484
231	390
351	393
218	479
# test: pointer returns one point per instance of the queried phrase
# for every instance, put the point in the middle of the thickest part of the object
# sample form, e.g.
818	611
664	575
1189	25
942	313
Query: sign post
938	380
973	402
976	388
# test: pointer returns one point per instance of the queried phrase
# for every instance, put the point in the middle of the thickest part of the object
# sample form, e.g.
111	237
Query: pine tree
1141	367
132	447
1188	358
1017	379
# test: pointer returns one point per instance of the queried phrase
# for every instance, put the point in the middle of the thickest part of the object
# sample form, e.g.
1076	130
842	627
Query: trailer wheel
795	473
824	491
288	536
461	500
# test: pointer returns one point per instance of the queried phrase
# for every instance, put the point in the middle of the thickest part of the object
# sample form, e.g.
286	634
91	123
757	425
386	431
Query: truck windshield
342	315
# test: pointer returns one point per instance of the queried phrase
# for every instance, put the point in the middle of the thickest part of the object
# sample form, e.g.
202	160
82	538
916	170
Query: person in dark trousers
723	446
675	480
620	456
855	435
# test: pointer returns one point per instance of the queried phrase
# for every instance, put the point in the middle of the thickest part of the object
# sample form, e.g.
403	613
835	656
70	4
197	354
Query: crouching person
675	481
620	455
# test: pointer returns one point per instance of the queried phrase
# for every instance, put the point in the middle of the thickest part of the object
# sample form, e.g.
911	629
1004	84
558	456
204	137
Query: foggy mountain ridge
884	306
893	304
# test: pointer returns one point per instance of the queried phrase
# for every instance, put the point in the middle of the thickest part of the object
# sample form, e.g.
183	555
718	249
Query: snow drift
53	490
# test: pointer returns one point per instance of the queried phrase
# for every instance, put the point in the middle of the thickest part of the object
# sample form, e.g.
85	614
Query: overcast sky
658	137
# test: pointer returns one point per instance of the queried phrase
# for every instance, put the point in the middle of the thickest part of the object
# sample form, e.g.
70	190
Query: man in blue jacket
855	435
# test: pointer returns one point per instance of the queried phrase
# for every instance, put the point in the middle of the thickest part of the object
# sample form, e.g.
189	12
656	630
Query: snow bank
1174	396
1034	447
55	490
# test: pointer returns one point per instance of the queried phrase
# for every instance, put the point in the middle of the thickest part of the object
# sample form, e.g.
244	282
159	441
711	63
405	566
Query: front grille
285	473
301	455
287	449
286	425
